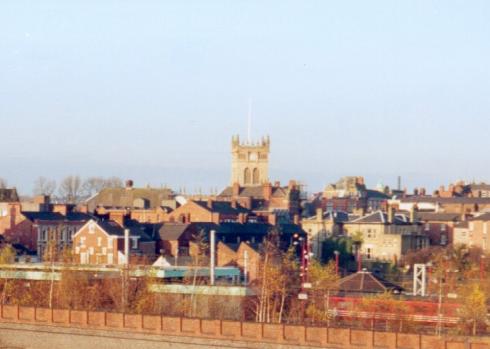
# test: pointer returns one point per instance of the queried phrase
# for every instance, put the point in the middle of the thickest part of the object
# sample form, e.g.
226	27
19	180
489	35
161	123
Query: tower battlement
264	142
250	161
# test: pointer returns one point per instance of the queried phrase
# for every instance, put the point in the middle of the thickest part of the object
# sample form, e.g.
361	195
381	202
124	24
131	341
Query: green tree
474	309
7	256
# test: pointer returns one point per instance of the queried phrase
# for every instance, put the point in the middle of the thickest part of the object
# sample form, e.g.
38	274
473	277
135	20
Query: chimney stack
267	188
390	214
117	216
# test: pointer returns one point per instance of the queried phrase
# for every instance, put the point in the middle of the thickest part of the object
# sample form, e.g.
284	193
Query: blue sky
153	90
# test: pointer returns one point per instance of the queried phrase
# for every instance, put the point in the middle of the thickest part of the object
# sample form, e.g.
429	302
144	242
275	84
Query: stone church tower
250	162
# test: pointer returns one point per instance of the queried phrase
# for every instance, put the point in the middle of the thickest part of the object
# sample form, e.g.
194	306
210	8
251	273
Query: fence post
18	312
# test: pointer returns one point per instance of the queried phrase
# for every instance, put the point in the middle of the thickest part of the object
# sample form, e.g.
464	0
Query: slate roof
141	230
482	217
56	216
8	195
256	192
337	216
438	216
379	217
124	197
223	207
173	231
366	282
374	194
452	200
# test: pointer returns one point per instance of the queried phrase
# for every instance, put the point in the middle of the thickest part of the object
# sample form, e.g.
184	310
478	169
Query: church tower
250	162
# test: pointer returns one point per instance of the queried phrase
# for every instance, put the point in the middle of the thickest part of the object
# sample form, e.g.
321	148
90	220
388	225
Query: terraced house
386	236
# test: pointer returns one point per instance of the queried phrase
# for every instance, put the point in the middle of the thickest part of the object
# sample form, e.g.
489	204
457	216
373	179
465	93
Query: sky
154	90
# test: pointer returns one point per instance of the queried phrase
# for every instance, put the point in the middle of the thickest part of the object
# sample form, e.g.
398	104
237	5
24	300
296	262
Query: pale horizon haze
154	90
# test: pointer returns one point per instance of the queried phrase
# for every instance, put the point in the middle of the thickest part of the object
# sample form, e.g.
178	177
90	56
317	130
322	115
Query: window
99	241
427	226
82	241
443	227
91	228
255	176
134	243
368	253
247	176
91	250
109	242
443	239
44	235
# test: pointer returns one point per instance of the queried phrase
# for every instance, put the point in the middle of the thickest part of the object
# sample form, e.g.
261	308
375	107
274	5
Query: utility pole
212	257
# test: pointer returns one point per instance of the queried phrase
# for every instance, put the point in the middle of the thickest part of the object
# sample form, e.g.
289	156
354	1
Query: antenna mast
249	129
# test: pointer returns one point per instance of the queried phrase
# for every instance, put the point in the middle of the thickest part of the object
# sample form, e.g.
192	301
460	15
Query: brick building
102	242
268	202
439	226
212	211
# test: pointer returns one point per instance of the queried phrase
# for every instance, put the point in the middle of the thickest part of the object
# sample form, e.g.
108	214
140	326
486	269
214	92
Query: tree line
71	189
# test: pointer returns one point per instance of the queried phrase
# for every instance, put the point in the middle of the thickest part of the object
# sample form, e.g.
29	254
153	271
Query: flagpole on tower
249	128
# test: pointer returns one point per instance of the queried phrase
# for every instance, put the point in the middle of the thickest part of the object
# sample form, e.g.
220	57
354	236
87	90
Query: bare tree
113	182
93	185
44	186
3	183
70	189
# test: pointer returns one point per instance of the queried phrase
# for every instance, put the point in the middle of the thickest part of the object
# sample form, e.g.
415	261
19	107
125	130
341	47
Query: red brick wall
241	331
